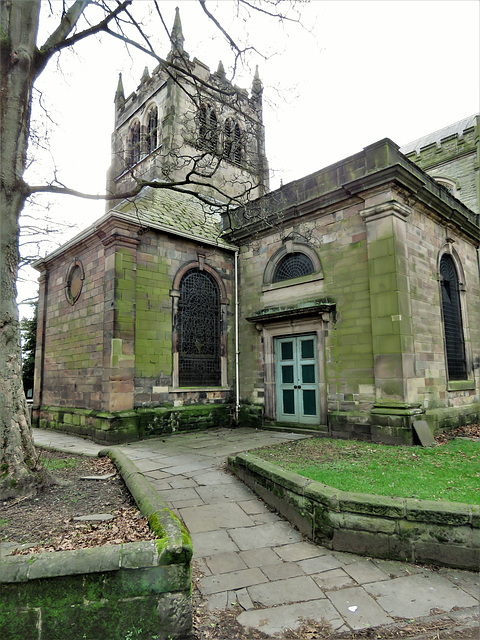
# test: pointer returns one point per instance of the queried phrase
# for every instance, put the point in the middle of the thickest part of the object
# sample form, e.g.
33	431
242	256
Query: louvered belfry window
293	265
452	320
198	326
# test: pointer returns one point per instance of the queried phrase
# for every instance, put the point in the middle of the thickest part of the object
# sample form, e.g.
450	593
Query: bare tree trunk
19	24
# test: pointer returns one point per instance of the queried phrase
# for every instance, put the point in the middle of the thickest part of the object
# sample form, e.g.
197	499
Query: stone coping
171	546
444	533
104	592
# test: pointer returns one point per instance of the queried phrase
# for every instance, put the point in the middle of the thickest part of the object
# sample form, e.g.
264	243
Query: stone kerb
104	592
409	530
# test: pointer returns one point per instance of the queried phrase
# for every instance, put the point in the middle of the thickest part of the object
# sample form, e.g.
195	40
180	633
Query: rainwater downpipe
237	343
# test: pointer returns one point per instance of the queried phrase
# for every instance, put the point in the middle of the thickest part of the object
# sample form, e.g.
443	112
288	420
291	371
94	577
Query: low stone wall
135	590
410	530
127	426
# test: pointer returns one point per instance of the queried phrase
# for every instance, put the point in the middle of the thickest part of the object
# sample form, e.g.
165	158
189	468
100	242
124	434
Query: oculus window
74	282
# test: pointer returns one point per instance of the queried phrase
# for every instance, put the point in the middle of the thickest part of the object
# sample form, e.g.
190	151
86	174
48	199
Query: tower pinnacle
176	37
119	94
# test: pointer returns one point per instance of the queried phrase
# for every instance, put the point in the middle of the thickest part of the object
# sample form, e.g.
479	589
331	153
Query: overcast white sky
356	72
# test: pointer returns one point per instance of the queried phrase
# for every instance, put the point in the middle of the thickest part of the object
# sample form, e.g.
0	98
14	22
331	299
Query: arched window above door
291	261
293	265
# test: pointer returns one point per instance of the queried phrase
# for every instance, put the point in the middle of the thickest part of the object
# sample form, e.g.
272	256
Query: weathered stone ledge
101	593
378	526
109	428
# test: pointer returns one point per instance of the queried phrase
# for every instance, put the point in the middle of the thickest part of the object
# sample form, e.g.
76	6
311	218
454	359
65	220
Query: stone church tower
187	125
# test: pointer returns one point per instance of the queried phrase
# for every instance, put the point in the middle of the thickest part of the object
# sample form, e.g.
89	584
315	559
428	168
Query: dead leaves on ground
127	525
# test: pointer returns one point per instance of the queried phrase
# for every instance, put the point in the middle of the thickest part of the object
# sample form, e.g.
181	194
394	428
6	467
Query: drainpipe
237	350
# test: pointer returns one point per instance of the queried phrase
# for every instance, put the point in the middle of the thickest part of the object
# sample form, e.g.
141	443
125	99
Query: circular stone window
75	277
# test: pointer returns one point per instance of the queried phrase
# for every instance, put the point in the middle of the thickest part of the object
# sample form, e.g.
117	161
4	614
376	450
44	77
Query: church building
346	303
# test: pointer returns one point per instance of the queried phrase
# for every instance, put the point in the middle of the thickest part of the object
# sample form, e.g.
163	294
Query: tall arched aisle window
198	330
452	320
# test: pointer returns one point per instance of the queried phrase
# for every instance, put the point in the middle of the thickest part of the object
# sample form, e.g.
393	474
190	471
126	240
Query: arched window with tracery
293	265
233	141
208	128
152	130
198	327
452	319
134	143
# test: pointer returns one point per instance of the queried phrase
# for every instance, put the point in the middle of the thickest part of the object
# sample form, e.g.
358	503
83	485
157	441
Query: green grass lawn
450	472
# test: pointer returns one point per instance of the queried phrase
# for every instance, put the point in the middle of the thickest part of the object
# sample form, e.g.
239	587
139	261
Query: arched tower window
233	141
134	143
152	129
293	265
452	320
199	330
208	128
237	144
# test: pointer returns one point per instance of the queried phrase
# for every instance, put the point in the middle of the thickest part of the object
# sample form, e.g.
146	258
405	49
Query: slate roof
177	212
457	128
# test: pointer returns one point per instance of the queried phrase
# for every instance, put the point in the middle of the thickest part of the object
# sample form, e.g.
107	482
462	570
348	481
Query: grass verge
450	472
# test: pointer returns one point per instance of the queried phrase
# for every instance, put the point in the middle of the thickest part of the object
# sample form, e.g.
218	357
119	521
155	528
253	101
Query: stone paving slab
299	551
358	608
286	591
209	543
321	563
466	580
416	596
213	517
224	493
225	562
174	496
366	571
264	535
208	478
334	579
282	571
276	619
231	580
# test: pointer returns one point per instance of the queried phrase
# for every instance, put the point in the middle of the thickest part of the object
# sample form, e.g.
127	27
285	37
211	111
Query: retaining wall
135	590
410	530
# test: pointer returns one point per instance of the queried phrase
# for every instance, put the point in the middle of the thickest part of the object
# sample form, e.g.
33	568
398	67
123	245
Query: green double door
296	374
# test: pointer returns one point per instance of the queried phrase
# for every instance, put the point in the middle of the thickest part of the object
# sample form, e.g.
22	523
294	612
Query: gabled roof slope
177	212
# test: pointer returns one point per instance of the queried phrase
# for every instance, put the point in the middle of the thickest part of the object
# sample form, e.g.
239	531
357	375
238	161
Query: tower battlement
185	124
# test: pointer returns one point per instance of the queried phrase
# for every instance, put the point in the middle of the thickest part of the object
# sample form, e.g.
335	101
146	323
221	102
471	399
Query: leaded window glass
452	320
233	141
152	128
208	128
293	265
198	328
134	143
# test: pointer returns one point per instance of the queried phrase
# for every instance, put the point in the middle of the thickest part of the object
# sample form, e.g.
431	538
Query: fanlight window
152	130
293	265
134	143
208	128
452	320
233	141
198	327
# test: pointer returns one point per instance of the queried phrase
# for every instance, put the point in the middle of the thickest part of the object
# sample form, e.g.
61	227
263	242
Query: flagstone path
250	556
